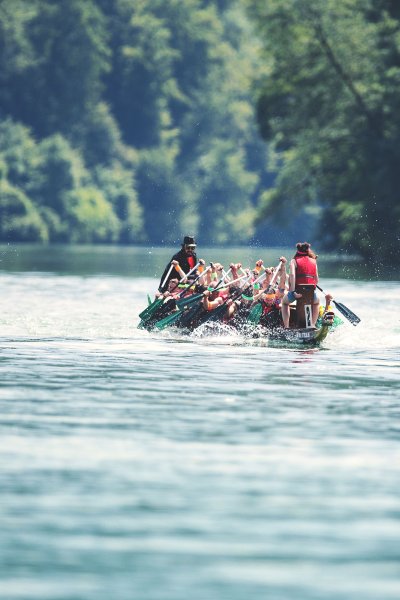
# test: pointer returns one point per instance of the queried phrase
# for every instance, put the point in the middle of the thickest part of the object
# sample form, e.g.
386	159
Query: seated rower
213	298
196	314
173	290
238	310
170	296
270	298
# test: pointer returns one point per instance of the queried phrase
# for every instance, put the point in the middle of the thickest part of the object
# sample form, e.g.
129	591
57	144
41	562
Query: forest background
242	121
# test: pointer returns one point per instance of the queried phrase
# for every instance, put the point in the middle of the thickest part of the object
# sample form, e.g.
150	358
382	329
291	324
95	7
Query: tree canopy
128	120
329	106
135	121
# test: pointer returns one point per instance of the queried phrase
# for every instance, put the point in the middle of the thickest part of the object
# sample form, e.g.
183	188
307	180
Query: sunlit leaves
330	107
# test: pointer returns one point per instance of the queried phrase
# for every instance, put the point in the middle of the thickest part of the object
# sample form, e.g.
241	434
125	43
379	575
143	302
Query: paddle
163	323
193	282
214	315
255	313
195	315
186	303
167	275
346	312
181	304
152	306
227	274
148	312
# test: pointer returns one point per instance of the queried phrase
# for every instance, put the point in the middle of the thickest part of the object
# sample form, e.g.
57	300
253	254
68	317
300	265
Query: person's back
303	271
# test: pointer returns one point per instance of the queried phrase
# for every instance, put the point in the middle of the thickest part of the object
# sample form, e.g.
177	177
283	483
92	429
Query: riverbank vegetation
128	121
329	107
132	122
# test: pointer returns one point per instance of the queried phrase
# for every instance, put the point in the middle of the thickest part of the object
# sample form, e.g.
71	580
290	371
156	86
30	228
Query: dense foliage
134	120
329	105
127	121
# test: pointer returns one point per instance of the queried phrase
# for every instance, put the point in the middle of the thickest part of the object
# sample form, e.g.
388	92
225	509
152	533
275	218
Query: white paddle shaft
167	275
191	271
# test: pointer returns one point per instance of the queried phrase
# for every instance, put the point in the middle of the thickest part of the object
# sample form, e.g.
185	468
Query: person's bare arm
282	277
292	275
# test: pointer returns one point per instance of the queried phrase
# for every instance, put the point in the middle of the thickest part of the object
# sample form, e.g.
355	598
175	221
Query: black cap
188	240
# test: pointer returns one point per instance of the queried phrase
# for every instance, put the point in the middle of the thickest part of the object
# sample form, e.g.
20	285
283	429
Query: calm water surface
157	467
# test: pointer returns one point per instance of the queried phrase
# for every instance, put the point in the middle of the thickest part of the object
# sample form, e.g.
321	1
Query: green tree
19	219
133	99
90	217
99	139
329	106
161	193
63	79
140	82
119	188
62	170
226	214
17	54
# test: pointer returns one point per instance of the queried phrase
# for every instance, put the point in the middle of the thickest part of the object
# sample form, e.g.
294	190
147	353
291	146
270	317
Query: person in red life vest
214	298
303	270
186	259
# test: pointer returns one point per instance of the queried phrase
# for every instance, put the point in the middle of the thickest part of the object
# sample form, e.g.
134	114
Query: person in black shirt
187	259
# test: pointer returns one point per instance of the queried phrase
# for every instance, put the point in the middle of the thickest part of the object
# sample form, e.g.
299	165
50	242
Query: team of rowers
238	290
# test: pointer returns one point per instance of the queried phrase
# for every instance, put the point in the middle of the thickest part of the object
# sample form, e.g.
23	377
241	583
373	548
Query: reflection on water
138	262
161	467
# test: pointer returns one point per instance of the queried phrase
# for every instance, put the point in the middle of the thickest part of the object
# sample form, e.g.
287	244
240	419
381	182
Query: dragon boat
187	315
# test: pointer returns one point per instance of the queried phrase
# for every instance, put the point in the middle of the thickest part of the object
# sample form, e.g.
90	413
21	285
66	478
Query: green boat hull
299	337
313	336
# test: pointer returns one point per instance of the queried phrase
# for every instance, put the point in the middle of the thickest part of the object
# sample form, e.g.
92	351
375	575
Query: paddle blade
215	315
255	314
168	320
148	312
186	309
346	312
183	302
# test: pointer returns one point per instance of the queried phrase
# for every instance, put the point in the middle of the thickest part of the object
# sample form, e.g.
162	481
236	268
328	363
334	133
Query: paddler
182	262
303	271
213	298
173	290
271	298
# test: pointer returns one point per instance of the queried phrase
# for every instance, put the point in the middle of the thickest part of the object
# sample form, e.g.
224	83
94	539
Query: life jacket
306	269
267	308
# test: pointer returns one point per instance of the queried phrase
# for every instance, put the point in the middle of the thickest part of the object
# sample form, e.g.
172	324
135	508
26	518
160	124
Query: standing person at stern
184	260
303	271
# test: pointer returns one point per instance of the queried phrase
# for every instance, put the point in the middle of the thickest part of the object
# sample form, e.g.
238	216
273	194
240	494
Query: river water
158	467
